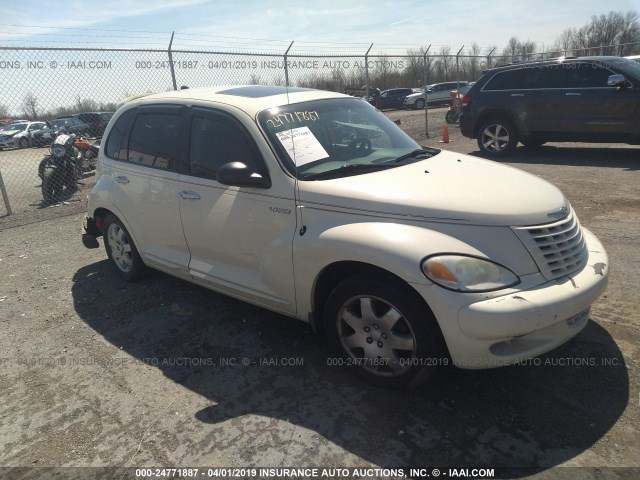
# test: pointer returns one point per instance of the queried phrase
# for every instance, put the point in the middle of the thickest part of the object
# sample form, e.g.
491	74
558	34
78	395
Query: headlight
58	151
468	274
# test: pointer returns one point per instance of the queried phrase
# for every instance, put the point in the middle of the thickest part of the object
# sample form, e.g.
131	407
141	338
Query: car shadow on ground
627	158
531	416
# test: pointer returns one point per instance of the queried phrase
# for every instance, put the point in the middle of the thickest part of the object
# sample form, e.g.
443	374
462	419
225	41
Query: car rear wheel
419	104
497	137
121	251
383	333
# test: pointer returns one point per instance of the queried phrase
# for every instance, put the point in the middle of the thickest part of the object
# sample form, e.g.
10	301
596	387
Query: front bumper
9	143
523	324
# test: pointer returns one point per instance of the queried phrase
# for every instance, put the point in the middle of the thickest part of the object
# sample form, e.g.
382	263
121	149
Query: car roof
599	58
250	98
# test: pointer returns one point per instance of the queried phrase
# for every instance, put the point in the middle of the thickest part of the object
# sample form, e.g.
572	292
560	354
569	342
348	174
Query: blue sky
393	26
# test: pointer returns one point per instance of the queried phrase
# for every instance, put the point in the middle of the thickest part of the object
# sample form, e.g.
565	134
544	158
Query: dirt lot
96	372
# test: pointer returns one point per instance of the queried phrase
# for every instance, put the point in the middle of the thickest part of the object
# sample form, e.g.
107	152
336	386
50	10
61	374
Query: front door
240	238
590	108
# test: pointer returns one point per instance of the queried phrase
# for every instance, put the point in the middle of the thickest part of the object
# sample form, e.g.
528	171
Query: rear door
143	153
590	108
240	238
531	94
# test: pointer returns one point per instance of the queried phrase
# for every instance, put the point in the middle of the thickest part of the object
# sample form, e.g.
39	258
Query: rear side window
528	78
215	140
509	80
154	140
114	146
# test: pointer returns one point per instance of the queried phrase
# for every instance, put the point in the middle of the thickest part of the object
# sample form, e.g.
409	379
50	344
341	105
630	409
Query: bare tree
86	105
512	49
474	70
615	33
254	79
4	111
30	105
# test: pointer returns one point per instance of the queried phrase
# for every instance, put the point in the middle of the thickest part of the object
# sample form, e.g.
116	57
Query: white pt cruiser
313	204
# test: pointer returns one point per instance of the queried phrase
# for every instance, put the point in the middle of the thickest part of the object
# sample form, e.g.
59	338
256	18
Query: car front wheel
497	137
383	333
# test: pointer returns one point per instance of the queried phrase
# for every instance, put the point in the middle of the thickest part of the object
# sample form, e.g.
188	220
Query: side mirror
237	174
617	80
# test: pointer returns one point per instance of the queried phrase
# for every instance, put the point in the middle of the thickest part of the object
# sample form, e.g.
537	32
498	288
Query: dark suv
591	99
97	121
391	98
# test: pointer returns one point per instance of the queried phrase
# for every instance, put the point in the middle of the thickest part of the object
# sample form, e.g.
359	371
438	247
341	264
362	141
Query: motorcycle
79	152
89	152
61	170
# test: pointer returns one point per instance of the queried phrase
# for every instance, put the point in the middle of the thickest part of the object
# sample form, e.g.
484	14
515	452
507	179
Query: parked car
315	205
9	121
391	98
52	128
437	93
19	135
590	99
106	116
97	122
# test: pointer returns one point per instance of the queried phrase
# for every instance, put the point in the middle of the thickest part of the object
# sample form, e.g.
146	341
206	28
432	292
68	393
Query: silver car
18	135
437	93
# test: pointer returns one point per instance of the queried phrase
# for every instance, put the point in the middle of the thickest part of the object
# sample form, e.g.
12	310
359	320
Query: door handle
517	94
573	94
121	179
189	195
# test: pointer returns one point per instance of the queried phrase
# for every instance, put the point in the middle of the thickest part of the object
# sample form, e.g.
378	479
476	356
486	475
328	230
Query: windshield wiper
415	153
348	169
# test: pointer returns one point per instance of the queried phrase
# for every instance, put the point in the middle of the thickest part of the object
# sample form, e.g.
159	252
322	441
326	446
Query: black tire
52	185
41	167
383	312
23	143
419	104
451	116
532	143
497	137
71	179
121	250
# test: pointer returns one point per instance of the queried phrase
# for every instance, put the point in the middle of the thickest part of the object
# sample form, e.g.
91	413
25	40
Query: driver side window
215	140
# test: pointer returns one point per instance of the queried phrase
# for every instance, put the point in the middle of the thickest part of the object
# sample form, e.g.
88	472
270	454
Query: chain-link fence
51	88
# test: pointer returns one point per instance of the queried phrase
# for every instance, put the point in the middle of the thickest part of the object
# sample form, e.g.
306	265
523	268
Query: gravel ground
95	372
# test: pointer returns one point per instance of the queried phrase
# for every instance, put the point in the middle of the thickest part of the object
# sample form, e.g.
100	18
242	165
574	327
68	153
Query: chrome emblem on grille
563	212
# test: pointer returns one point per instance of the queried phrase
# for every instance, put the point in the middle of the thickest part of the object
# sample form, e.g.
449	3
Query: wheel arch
334	273
102	212
494	114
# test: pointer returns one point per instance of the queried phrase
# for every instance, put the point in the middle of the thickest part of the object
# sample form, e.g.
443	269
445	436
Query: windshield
325	136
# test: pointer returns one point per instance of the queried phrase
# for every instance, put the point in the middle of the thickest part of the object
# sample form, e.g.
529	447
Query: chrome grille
558	248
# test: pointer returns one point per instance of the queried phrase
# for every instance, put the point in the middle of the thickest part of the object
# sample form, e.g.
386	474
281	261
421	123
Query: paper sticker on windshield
302	145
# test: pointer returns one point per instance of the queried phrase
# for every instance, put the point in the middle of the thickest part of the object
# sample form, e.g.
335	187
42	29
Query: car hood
9	133
415	95
448	187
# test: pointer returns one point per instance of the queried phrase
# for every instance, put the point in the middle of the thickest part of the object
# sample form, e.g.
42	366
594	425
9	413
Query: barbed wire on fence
44	83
